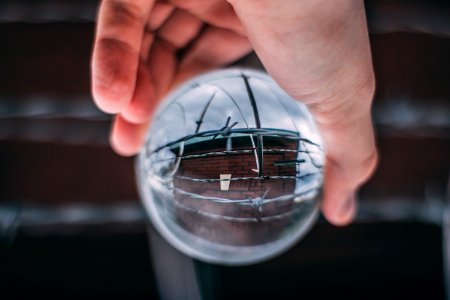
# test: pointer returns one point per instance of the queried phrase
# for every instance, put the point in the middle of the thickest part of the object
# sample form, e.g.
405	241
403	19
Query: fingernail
348	204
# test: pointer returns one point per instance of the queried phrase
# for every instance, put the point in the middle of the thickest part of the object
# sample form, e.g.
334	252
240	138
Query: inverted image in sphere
232	168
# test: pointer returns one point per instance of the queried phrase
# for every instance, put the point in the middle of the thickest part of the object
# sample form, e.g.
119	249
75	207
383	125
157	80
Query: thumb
351	156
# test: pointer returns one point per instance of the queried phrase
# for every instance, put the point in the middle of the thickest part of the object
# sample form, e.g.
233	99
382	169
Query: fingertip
341	214
136	115
143	103
114	68
108	99
126	138
138	111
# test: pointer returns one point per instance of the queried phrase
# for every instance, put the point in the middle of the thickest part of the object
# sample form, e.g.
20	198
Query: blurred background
71	223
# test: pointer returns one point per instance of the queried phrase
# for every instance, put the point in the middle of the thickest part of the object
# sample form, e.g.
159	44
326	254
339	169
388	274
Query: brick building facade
198	189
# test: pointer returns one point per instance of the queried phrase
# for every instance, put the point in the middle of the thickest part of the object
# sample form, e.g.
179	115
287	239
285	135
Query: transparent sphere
232	168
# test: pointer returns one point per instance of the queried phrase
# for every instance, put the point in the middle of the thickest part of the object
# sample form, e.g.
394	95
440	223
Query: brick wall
205	217
238	165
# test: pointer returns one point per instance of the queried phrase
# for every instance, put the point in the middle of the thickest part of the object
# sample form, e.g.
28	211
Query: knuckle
123	13
365	169
356	172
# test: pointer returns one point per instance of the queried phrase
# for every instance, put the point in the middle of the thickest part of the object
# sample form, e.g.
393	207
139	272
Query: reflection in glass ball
232	168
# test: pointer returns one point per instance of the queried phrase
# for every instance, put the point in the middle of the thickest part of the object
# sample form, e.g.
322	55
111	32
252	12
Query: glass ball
232	168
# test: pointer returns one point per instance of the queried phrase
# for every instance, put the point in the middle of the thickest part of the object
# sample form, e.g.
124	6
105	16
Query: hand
136	56
317	50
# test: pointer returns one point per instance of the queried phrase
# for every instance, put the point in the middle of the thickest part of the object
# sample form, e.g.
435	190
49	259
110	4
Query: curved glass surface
232	168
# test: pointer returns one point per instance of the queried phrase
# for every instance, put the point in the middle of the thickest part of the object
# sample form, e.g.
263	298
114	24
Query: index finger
120	28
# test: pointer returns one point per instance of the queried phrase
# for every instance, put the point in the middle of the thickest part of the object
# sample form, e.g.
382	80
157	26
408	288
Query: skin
317	50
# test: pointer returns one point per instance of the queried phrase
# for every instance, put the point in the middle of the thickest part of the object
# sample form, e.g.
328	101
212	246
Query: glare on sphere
232	168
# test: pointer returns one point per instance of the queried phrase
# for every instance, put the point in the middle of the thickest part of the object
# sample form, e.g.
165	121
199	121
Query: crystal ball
232	168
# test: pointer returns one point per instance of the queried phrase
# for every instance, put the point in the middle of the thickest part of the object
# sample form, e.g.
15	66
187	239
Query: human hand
317	50
136	57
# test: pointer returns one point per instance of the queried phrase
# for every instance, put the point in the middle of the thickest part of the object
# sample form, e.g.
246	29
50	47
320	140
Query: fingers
128	130
127	138
180	28
214	48
339	204
143	102
116	52
123	85
159	14
162	64
351	160
217	13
